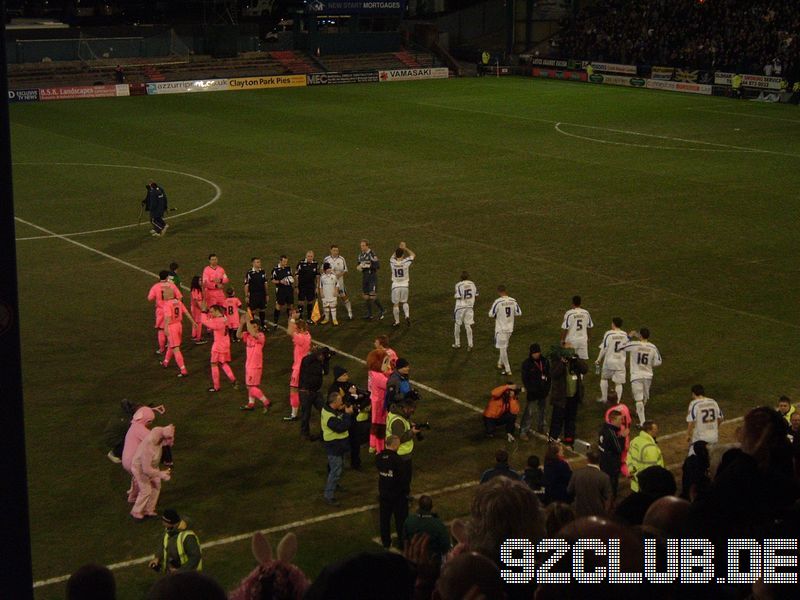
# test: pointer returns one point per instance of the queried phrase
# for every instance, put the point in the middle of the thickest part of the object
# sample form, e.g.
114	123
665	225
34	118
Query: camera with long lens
426	426
360	400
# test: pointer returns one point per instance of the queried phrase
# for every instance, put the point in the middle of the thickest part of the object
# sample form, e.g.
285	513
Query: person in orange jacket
502	410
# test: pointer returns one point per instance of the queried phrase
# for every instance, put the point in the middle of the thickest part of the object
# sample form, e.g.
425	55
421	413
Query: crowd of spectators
746	490
746	36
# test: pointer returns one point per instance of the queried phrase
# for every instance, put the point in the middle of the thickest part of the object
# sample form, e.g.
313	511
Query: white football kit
400	268
328	283
464	313
577	322
339	268
705	414
644	356
612	356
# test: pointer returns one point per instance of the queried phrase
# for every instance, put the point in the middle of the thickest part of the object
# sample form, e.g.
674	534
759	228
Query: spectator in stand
696	468
427	522
185	585
654	483
367	575
91	582
534	476
556	515
786	408
794	437
752	488
591	488
557	474
500	469
472	576
274	577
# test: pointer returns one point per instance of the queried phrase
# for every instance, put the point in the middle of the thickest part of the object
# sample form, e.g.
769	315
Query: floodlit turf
672	211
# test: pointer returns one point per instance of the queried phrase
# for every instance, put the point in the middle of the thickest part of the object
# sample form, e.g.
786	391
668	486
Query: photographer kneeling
502	410
312	370
398	422
362	407
335	419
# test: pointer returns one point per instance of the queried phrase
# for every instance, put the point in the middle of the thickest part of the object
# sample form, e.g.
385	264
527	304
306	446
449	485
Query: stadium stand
739	35
47	74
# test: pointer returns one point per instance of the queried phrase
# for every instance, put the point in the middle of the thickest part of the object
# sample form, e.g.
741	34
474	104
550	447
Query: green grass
694	240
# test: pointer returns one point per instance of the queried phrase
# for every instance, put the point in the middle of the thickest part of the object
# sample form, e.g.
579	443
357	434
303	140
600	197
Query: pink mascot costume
145	470
139	429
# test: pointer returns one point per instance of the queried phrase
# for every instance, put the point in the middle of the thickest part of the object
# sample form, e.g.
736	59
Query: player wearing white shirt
339	266
465	295
613	359
328	292
400	265
644	356
704	418
503	311
575	328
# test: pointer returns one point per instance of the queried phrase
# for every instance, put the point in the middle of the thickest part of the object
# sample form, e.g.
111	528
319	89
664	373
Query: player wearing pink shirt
378	370
301	338
197	310
625	427
156	295
382	343
216	322
232	306
214	281
253	367
174	311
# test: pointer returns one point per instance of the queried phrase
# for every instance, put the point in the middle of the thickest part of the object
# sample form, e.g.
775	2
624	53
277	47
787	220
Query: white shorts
641	390
464	315
329	302
501	339
399	295
581	349
617	375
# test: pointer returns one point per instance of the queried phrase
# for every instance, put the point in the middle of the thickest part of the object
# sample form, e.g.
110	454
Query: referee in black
255	290
284	288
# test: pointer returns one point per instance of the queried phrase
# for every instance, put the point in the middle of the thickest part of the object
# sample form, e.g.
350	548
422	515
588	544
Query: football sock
469	334
618	389
396	313
228	371
333	313
406	310
168	357
378	304
369	307
294	401
604	389
640	411
162	340
215	376
457	334
349	308
504	358
179	359
276	315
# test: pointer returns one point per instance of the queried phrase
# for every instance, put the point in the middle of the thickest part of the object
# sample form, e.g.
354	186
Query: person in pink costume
625	429
301	339
145	468
139	429
382	343
275	577
378	370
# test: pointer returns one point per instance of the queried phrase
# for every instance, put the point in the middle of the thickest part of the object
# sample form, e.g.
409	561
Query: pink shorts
174	334
252	376
221	357
215	297
295	379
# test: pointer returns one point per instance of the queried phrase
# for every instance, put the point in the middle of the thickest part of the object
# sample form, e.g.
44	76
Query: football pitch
675	212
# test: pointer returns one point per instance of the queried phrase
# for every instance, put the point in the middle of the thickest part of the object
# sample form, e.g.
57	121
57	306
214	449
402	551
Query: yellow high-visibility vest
406	447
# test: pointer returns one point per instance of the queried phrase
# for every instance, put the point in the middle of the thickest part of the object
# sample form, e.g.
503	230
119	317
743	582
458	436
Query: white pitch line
217	195
244	536
629	144
729	147
669	436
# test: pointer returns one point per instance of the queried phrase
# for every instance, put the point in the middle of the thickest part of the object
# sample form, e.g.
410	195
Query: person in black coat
695	479
557	474
313	368
155	203
611	445
391	491
536	379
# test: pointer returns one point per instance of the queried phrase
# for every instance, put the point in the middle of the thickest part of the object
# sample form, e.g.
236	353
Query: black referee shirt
256	280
